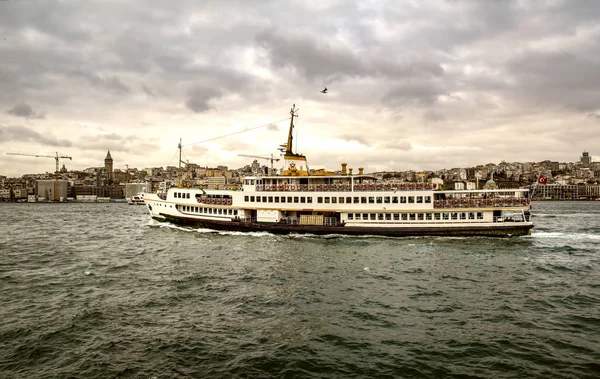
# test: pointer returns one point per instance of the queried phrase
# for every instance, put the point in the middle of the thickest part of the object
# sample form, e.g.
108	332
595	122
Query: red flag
542	180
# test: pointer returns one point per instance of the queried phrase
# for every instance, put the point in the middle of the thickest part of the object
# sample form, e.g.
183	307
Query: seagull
324	90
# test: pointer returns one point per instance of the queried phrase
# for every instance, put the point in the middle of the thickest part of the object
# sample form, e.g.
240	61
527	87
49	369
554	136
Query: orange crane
259	157
56	157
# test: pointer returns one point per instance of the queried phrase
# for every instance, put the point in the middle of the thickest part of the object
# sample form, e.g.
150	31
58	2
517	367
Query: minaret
108	166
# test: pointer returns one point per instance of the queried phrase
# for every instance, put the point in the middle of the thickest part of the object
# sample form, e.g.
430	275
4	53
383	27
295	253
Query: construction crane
56	157
259	157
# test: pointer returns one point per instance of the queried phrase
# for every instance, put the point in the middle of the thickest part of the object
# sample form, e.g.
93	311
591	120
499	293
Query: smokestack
344	168
350	170
360	171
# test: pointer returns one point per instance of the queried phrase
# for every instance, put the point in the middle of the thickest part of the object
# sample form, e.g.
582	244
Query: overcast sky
411	84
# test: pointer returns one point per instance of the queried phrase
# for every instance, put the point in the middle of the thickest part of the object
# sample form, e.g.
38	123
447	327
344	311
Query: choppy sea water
101	291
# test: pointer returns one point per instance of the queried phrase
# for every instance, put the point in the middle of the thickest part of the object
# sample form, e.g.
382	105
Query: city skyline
411	85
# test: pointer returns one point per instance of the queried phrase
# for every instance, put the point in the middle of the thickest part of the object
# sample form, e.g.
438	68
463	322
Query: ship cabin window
276	199
372	216
412	216
404	217
463	216
363	200
252	182
220	211
365	216
289	199
396	217
356	200
380	216
454	216
446	216
246	198
427	199
270	199
334	200
210	210
419	199
471	216
437	216
371	200
187	195
350	216
379	199
429	216
309	199
264	199
258	199
341	200
327	200
320	200
386	199
348	200
403	199
395	200
283	199
411	199
420	216
235	212
480	215
296	199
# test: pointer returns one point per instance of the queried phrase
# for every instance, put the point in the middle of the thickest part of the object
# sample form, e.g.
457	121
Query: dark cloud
413	93
557	79
111	82
398	145
20	133
314	58
147	91
434	116
25	110
199	98
356	138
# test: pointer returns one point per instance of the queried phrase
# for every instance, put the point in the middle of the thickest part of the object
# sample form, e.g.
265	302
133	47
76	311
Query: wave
562	235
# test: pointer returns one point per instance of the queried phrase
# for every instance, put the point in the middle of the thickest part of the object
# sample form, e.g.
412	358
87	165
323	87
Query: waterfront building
113	192
213	181
46	188
555	192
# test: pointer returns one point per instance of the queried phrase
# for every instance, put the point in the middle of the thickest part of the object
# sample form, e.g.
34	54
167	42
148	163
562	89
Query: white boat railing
347	187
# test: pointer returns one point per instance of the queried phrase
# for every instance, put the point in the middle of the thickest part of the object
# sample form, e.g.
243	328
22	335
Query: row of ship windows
181	195
416	216
210	211
341	199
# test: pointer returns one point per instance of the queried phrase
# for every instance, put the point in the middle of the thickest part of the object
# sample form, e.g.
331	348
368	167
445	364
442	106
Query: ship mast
288	146
179	168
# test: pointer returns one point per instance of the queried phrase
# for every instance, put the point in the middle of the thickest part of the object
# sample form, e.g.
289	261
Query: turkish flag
542	180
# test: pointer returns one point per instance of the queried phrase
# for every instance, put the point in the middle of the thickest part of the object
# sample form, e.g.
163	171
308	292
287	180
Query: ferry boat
320	202
137	199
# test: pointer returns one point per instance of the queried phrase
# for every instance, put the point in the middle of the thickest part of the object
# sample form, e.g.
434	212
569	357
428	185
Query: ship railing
511	218
482	203
348	187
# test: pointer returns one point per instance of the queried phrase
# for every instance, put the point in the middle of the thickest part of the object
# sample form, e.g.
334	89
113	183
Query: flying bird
324	90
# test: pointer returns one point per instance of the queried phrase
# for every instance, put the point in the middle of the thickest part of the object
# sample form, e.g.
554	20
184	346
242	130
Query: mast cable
234	133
